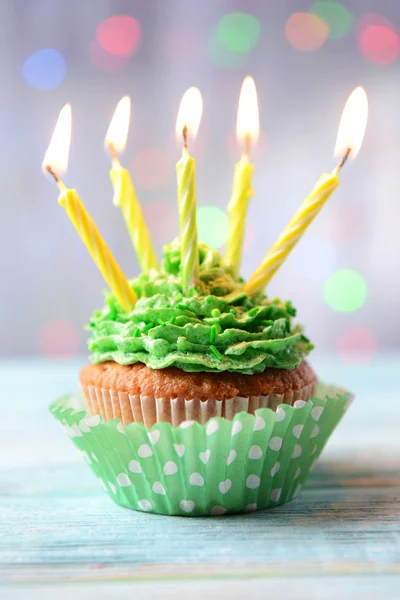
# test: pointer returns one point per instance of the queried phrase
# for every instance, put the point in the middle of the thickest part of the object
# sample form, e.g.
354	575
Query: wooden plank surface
61	536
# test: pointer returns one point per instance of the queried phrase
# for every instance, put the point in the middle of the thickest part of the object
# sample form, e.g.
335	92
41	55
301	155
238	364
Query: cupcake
199	403
214	351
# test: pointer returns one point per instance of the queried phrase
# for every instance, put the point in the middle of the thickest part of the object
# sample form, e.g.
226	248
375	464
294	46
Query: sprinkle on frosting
215	326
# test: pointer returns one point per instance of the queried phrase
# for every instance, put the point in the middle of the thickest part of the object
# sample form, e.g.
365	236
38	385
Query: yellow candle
187	123
57	158
292	233
97	248
351	132
124	191
187	205
247	129
237	210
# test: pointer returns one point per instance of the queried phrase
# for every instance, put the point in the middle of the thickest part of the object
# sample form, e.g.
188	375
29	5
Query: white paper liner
149	410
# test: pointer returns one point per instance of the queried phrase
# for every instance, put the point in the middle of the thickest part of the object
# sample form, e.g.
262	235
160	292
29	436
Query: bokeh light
45	69
315	257
162	221
224	58
238	31
104	60
120	35
370	19
212	225
345	290
379	44
182	47
306	32
338	17
356	346
152	168
59	340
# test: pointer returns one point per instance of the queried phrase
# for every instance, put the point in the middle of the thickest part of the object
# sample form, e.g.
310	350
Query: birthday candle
124	190
55	161
247	130
351	132
187	123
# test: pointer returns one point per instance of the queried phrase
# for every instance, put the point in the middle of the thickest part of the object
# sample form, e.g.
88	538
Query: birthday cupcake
199	403
214	351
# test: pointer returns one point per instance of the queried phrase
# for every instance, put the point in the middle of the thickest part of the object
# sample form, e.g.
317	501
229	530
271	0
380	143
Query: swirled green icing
215	326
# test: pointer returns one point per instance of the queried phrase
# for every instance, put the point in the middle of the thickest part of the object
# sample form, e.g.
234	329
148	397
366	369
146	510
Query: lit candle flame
117	133
352	124
56	157
248	121
189	114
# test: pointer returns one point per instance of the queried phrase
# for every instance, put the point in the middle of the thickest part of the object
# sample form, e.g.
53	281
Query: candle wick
50	170
343	160
185	137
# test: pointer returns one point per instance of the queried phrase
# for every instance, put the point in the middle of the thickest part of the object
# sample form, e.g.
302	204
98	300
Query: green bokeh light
224	58
238	31
345	290
336	15
212	225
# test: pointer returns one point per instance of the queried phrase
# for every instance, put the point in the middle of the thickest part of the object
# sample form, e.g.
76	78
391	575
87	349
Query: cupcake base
223	466
136	393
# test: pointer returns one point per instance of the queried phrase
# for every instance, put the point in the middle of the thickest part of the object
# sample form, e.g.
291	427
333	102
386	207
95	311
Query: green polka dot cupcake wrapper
224	466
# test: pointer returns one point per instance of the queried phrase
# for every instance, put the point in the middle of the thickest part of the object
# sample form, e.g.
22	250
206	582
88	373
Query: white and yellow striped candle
55	161
351	132
187	124
247	129
124	190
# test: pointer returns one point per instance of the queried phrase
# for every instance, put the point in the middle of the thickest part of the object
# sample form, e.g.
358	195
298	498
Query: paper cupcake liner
224	466
149	410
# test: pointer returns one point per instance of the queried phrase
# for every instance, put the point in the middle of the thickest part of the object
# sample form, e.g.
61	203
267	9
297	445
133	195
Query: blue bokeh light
45	69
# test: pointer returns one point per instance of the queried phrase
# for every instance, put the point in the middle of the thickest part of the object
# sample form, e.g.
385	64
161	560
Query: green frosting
215	326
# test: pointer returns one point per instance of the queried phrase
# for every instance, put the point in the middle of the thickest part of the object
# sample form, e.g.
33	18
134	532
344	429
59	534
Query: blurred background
305	56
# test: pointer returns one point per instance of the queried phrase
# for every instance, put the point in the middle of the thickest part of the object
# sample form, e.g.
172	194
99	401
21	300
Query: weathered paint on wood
61	536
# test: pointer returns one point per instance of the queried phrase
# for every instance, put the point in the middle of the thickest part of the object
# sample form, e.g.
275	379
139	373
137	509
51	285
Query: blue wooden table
61	537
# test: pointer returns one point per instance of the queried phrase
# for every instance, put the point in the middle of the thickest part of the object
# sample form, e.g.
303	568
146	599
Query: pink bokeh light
59	340
119	35
356	346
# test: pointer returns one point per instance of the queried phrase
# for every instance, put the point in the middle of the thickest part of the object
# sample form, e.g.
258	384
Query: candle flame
56	157
117	133
352	124
248	121
189	114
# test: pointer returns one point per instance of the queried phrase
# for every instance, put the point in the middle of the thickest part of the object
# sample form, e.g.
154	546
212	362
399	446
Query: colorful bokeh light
45	69
238	31
182	47
315	257
306	32
120	35
379	44
345	290
224	58
104	60
59	340
212	224
371	19
338	17
153	168
356	346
